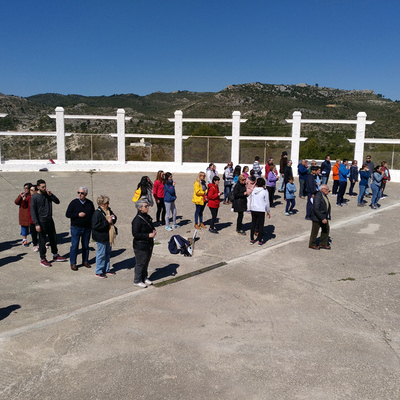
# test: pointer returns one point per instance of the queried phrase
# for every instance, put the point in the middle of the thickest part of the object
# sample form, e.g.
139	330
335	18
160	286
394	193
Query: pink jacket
158	190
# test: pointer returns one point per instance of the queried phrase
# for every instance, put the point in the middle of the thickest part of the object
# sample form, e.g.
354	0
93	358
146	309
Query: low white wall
190	168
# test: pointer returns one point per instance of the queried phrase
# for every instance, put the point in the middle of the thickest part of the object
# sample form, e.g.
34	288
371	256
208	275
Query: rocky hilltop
266	106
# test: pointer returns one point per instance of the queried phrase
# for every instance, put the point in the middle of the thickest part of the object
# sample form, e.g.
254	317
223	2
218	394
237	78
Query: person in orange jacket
335	175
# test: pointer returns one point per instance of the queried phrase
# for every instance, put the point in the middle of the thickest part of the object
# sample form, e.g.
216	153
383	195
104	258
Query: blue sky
104	47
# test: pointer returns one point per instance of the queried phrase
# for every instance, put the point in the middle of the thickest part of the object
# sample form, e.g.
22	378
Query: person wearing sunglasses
80	212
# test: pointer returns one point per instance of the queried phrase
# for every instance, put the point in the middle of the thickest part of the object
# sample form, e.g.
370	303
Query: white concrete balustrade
61	164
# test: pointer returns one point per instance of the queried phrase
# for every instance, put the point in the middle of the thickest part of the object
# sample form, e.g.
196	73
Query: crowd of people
244	190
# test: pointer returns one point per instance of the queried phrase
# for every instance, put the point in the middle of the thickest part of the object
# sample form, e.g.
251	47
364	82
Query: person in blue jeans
290	197
326	170
343	175
376	186
364	175
103	233
80	212
302	170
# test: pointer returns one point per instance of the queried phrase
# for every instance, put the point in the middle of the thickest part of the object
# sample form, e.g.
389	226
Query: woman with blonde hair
103	233
199	192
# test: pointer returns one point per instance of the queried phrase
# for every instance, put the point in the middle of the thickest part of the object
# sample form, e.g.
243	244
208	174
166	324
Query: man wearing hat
282	166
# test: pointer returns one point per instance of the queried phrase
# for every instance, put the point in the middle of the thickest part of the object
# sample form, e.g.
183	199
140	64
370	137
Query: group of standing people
244	190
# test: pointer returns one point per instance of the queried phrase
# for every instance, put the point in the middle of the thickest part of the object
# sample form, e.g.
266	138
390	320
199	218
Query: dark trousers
257	224
324	233
290	203
160	211
271	191
309	205
142	256
214	213
239	221
302	191
34	234
47	229
335	187
351	192
342	191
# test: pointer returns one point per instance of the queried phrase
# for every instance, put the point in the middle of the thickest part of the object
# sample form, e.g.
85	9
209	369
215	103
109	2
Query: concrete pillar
60	129
235	151
121	135
296	131
360	136
178	137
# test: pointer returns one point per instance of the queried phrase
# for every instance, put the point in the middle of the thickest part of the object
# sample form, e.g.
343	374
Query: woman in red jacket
22	202
158	193
213	195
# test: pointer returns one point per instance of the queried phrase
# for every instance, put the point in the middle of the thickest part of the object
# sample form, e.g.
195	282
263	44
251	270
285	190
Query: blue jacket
169	193
343	173
290	189
364	175
303	171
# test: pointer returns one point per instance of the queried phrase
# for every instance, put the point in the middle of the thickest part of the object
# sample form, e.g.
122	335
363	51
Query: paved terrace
277	322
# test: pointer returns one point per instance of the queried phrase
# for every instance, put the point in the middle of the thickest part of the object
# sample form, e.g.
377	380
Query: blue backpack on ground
178	244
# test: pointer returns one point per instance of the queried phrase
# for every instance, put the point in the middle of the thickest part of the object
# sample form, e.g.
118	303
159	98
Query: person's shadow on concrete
268	233
114	253
11	259
222	225
169	270
6	311
128	263
8	245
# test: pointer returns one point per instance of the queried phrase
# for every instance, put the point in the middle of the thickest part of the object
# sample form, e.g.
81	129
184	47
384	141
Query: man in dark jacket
320	216
288	174
143	233
80	211
302	169
42	217
371	167
326	170
311	188
282	165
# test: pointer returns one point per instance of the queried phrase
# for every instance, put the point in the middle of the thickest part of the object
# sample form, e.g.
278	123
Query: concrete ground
276	322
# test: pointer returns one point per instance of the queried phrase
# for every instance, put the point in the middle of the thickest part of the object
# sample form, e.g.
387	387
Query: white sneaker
148	282
140	284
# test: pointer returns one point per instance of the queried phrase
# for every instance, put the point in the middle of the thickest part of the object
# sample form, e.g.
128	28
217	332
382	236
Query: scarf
111	231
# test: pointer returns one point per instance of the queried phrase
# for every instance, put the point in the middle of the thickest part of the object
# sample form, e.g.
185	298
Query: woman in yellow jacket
199	191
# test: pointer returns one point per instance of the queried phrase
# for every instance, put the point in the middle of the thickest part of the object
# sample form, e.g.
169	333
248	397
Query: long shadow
8	245
63	237
268	232
128	263
222	225
184	222
11	259
114	253
169	270
6	311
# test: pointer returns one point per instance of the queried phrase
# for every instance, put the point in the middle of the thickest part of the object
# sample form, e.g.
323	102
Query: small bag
137	195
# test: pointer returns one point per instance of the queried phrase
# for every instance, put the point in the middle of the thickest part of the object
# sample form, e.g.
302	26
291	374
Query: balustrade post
296	131
178	137
360	136
121	135
235	151
60	129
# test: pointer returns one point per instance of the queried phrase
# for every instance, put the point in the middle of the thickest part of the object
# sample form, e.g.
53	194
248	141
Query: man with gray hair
320	216
80	211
